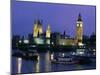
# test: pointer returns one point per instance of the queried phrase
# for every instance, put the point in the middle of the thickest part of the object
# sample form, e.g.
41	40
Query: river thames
19	65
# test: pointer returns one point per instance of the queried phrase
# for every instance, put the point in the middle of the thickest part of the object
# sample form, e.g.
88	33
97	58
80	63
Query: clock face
79	25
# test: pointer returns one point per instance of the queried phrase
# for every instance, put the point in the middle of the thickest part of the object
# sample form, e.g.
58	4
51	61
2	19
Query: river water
44	64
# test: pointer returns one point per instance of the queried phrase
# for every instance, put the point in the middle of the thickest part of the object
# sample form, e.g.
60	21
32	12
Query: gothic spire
79	17
38	21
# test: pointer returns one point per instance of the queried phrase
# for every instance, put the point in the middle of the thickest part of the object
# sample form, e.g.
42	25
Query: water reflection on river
44	65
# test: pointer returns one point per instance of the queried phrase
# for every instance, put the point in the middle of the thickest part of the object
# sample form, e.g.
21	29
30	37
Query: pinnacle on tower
79	17
48	28
38	21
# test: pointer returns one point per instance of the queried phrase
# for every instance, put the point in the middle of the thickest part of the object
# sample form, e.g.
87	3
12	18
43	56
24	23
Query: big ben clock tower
79	30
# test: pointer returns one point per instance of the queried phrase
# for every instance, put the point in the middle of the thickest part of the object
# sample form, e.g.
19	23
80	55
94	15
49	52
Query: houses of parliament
38	34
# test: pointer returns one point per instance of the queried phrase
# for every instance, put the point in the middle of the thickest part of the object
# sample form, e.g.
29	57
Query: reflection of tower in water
48	63
37	65
19	63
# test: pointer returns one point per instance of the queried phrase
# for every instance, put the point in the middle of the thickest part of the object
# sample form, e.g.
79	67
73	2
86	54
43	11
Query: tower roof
48	26
39	22
79	17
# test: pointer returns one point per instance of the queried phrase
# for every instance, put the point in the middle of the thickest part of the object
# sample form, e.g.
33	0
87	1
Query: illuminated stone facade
48	32
79	30
69	41
79	35
38	30
39	35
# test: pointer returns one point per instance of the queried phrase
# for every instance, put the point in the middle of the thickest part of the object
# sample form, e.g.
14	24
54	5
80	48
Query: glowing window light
63	54
52	56
33	46
26	41
20	41
39	41
73	53
63	43
52	43
48	41
81	53
80	44
94	49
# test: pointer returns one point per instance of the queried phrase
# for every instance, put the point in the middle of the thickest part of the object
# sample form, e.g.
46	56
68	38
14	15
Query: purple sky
60	17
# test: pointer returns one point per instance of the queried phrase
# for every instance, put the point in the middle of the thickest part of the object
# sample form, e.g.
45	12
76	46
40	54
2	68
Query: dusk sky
60	17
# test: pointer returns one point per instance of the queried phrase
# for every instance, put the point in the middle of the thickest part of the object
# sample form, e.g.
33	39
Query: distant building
56	38
69	41
15	40
38	30
79	35
30	38
41	37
